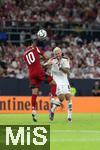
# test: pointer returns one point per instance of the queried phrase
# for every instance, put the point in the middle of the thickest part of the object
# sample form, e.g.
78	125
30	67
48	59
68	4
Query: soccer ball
42	33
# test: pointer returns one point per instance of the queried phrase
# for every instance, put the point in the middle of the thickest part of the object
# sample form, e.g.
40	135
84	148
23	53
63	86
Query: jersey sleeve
66	63
40	51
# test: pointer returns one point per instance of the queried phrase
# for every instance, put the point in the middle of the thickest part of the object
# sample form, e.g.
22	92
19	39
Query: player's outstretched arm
65	70
48	63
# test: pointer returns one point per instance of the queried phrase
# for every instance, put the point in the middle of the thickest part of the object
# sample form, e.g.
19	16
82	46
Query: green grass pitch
82	134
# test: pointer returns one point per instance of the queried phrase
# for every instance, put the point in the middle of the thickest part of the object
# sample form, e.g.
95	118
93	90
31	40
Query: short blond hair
56	49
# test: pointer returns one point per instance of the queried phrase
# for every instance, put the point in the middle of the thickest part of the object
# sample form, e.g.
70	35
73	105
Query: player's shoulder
65	57
28	49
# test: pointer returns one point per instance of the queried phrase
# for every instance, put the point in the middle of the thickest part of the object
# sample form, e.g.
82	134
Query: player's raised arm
42	53
65	66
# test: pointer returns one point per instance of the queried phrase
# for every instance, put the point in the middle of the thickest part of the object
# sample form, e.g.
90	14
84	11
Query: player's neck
59	58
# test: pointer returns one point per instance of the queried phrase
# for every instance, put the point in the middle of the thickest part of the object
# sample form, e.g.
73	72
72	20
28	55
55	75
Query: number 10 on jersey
30	58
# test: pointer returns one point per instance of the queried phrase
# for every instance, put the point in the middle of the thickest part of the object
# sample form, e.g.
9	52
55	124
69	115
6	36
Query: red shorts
41	76
36	79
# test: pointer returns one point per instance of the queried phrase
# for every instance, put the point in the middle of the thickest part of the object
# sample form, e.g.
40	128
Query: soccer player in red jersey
36	73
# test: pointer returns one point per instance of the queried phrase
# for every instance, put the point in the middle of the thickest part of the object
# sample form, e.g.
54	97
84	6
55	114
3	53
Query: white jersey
59	76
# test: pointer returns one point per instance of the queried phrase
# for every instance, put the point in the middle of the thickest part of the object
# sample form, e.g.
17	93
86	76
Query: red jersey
31	56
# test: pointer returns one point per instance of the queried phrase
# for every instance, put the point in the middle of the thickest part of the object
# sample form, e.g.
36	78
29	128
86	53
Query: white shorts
63	89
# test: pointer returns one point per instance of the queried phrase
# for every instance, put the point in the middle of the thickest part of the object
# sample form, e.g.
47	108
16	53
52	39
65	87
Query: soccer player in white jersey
60	67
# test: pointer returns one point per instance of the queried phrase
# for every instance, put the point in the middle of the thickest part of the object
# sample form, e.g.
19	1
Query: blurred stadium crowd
84	54
85	58
68	11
